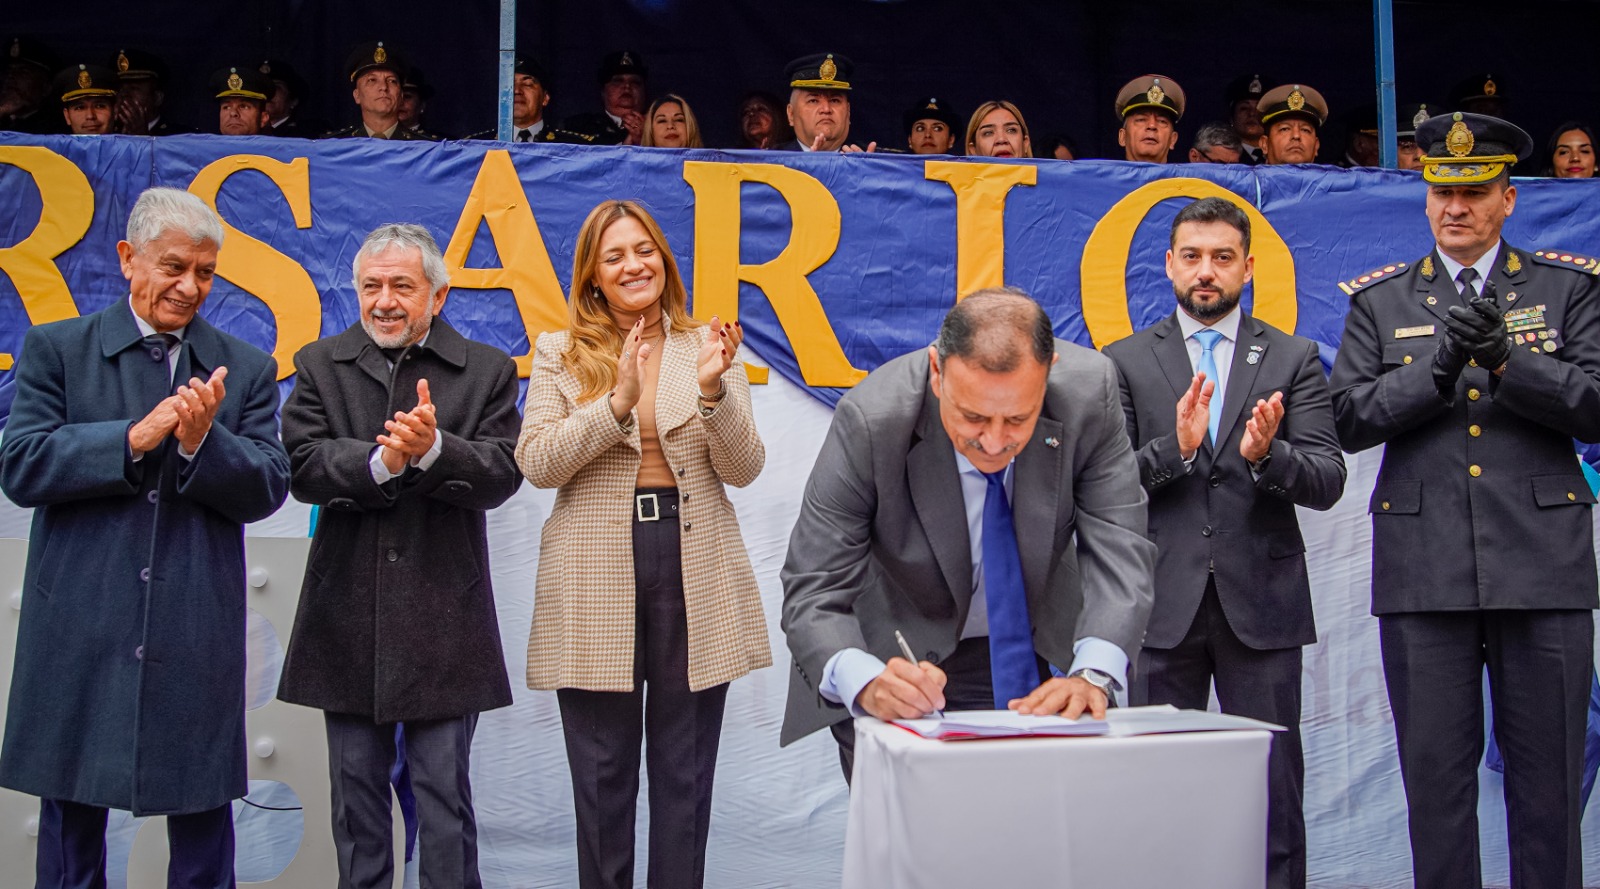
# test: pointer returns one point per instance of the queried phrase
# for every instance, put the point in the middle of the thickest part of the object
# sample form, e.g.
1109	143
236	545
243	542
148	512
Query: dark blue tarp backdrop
888	281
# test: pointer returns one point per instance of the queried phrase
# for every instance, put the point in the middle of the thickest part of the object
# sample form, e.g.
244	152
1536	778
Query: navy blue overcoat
128	690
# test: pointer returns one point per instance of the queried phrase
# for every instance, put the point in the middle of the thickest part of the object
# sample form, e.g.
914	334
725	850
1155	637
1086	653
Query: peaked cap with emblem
27	51
377	54
931	108
241	82
1152	91
136	64
623	61
1245	86
1408	117
820	71
1477	87
1464	149
84	81
1293	100
280	70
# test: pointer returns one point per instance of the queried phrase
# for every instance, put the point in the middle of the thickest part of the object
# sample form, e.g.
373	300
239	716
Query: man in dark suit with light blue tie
1232	426
980	497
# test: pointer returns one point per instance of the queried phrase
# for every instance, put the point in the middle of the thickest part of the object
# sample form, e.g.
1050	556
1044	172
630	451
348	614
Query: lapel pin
1253	358
1052	442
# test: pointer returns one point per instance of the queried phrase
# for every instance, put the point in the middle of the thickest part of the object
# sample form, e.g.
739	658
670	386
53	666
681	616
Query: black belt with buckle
651	506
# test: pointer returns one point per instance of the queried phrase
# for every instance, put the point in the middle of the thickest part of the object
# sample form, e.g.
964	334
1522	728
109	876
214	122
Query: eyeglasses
1214	160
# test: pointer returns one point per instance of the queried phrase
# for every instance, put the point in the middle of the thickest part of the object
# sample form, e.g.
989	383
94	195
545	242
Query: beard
413	332
1210	311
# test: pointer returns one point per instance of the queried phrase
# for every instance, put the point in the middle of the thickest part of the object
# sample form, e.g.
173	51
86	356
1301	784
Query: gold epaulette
1361	282
1568	261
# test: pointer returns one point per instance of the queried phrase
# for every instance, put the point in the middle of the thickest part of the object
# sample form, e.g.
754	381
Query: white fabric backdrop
779	814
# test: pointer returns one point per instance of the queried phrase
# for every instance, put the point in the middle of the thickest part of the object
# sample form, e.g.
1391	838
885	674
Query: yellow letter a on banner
497	198
717	270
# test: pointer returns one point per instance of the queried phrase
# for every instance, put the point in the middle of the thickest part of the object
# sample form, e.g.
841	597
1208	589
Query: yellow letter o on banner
1103	273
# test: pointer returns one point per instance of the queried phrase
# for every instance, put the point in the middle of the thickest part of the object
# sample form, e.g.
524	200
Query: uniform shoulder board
1361	282
1567	261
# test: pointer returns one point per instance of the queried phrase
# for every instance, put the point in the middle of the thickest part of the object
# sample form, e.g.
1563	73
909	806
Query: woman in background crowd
762	123
1570	152
670	124
998	130
638	415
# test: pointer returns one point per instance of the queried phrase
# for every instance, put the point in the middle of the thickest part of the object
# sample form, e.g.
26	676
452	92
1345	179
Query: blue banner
834	263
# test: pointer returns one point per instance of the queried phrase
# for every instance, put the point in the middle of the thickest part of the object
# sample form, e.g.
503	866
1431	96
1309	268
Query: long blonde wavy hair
594	342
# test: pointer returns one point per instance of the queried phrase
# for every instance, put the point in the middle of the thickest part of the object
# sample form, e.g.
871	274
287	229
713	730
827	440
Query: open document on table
1120	722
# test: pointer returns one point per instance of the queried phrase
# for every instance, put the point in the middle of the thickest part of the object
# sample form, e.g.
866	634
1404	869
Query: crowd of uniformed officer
1259	119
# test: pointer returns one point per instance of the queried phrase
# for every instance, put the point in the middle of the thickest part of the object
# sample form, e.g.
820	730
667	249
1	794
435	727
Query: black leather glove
1448	360
1480	329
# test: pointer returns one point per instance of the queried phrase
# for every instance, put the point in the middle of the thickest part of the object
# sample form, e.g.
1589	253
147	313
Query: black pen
905	649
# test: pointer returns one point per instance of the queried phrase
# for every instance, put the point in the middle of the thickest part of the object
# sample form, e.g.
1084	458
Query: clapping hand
1261	428
630	371
1194	415
410	435
195	406
1480	329
717	354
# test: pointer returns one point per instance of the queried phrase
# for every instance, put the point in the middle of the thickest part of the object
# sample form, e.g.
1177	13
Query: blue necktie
1208	340
1014	672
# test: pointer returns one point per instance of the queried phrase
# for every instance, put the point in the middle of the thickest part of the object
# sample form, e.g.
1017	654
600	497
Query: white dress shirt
851	669
1484	267
380	471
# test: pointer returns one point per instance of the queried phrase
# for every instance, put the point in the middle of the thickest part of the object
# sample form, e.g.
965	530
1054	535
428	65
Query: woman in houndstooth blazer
638	414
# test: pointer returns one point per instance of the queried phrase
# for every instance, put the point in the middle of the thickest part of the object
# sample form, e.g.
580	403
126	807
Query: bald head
996	329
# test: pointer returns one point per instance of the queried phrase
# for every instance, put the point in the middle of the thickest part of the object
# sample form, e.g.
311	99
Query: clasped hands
410	435
1476	331
715	358
910	691
1194	419
186	414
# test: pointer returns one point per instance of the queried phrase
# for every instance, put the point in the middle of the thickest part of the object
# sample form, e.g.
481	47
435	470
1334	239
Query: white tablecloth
1156	811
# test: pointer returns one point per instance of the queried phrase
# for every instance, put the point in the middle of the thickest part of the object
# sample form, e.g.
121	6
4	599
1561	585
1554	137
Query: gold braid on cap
1465	171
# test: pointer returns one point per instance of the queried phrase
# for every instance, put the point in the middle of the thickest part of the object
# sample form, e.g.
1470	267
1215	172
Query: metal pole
1383	25
508	62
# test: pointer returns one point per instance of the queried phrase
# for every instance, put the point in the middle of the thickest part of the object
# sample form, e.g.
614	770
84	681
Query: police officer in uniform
415	94
284	117
1149	108
241	92
141	93
88	96
932	127
377	72
1477	365
1292	115
530	97
26	70
1242	96
622	77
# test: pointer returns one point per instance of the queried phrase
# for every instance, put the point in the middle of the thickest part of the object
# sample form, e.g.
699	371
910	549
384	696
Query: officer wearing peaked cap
931	126
530	96
1242	96
241	92
88	94
284	117
376	71
1477	365
415	94
1149	108
141	94
1480	94
1291	115
26	69
819	103
1407	119
623	78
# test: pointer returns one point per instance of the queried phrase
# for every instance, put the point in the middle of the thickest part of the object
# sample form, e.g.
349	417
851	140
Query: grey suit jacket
1218	515
881	543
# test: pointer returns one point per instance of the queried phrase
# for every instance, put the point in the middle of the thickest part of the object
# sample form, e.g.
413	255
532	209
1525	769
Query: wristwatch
1099	679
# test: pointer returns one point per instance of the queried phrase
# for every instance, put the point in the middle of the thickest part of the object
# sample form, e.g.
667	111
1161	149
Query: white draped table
1165	810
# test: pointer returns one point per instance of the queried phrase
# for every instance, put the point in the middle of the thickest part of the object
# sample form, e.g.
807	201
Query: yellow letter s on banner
258	269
